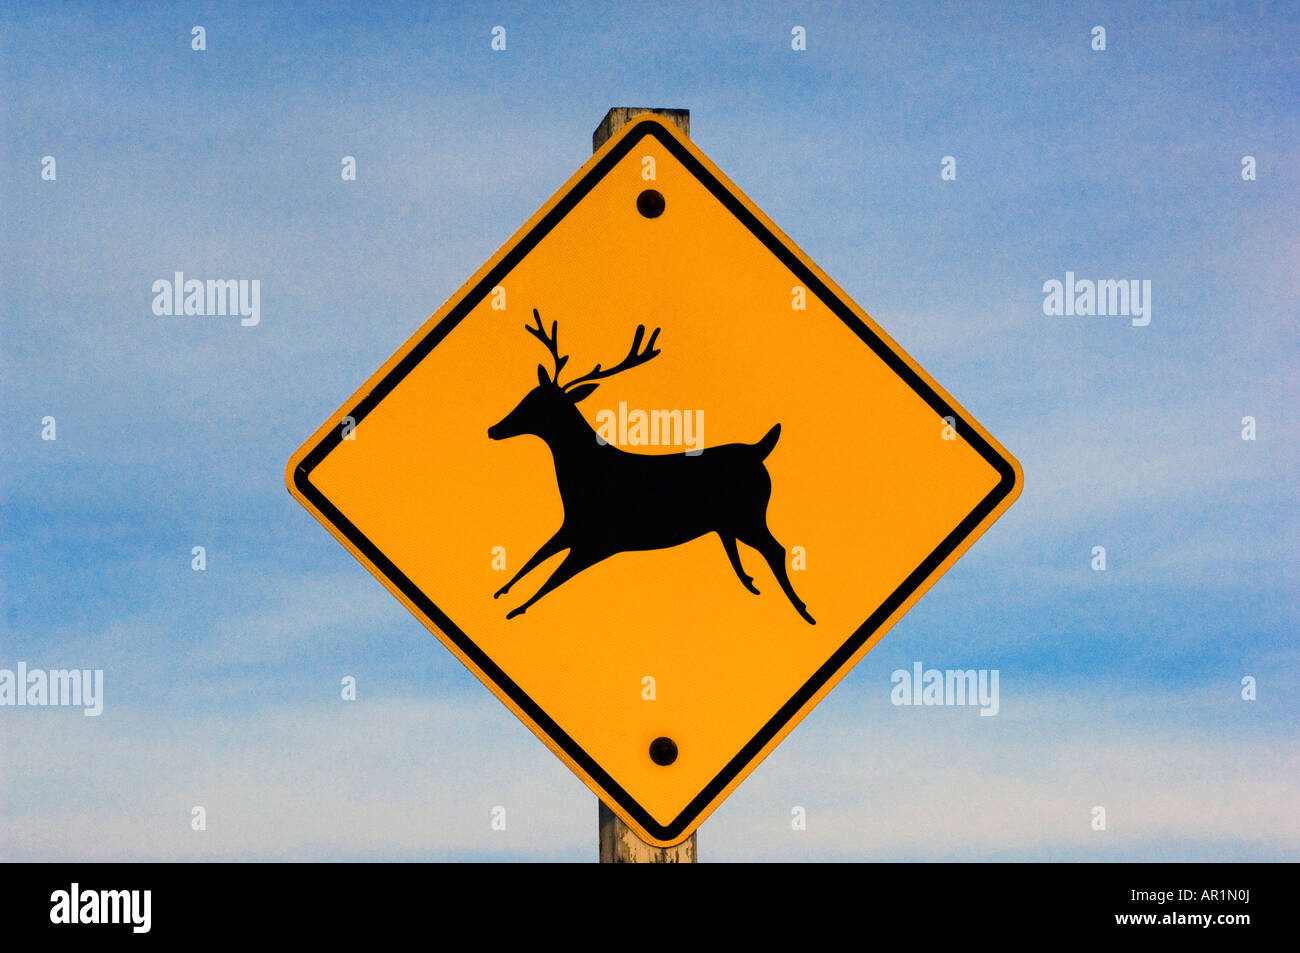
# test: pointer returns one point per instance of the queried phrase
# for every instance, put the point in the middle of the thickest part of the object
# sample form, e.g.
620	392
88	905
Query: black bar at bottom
976	902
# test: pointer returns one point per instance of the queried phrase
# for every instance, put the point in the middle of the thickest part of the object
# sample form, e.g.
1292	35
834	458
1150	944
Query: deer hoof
514	612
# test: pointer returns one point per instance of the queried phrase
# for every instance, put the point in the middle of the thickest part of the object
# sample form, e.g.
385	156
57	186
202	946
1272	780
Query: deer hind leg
573	564
549	549
763	540
729	544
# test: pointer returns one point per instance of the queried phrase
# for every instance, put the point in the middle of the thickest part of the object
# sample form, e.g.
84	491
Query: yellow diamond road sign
654	479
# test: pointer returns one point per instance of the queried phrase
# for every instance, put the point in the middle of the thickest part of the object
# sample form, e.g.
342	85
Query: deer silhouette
615	501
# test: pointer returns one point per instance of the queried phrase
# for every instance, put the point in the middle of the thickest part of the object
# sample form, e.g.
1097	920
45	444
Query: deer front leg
573	564
549	549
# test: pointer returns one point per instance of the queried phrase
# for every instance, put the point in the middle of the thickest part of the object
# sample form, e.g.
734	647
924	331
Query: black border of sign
672	830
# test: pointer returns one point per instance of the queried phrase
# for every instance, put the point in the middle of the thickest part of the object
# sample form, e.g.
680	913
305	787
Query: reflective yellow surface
862	481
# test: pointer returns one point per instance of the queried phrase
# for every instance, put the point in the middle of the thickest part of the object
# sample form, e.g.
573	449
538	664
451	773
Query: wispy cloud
417	778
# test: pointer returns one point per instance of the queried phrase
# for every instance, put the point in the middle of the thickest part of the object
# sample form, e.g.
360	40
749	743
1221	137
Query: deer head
551	402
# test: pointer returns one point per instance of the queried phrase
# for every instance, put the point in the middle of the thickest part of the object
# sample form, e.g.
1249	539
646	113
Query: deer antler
550	341
632	360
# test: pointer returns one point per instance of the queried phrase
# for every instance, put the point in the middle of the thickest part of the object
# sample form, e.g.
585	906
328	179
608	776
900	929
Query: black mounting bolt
650	203
663	751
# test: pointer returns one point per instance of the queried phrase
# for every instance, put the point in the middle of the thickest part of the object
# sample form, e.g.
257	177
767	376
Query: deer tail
764	446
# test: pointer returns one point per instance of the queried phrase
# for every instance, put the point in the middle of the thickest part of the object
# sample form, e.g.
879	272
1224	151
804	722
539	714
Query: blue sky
1118	688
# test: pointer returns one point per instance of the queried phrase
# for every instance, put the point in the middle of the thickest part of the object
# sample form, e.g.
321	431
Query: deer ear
580	393
542	378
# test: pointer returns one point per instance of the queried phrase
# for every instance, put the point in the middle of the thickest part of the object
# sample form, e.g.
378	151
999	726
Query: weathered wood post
618	845
619	116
